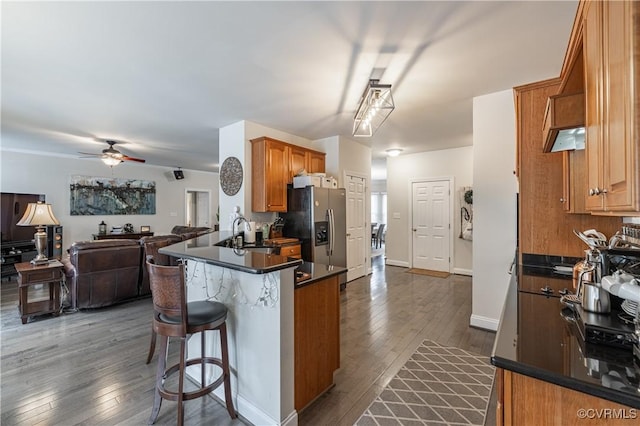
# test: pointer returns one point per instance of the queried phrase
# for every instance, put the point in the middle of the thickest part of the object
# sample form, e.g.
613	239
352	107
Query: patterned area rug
438	385
439	274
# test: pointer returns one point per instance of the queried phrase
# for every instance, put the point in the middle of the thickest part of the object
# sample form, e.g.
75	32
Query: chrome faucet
236	222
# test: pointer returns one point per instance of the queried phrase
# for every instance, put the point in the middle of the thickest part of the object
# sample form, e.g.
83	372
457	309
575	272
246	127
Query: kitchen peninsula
547	373
261	289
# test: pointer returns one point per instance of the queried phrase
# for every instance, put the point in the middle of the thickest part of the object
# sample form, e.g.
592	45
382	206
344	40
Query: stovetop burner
625	318
607	329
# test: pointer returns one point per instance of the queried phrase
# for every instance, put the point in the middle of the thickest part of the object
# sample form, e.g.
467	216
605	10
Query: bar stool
174	317
151	246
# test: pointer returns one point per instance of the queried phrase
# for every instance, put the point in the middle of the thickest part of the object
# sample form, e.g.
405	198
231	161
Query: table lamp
39	215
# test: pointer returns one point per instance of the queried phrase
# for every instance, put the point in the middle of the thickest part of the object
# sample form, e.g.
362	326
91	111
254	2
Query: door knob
414	229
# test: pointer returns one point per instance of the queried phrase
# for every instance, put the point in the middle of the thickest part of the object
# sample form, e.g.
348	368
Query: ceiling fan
112	157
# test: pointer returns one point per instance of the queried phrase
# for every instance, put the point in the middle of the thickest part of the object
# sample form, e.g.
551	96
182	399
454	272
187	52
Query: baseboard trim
485	323
256	416
401	263
291	420
462	271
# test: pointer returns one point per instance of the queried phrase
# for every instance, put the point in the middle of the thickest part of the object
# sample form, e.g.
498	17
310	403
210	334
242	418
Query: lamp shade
375	106
38	214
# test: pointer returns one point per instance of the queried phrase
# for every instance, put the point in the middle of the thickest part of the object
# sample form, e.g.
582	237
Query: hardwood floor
89	367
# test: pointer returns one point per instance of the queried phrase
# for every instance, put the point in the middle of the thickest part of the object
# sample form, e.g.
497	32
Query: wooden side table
28	275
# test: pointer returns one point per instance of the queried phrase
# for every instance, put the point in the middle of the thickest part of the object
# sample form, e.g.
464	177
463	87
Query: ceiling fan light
111	161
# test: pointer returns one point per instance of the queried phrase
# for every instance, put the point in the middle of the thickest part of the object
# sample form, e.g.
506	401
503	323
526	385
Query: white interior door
356	221
197	208
431	225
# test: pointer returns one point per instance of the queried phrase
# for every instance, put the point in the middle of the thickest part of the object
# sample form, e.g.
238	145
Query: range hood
563	126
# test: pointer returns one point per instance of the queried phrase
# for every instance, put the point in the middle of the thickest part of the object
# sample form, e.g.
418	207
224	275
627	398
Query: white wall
494	198
331	146
345	155
458	163
232	144
235	141
50	175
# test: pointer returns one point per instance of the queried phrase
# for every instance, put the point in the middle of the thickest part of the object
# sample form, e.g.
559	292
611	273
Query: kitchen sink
251	247
262	249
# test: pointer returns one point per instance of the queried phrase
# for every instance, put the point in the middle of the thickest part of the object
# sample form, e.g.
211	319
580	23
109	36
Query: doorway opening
197	208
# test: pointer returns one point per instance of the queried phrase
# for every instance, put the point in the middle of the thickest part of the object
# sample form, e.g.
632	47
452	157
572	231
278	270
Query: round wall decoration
231	176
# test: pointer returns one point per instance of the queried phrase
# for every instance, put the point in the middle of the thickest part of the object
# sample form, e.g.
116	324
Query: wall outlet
396	215
173	214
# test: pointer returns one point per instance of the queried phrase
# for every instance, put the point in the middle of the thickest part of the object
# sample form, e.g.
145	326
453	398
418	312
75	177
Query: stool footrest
203	390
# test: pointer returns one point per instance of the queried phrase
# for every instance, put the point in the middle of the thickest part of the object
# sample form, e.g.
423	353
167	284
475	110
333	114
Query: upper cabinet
269	175
544	227
611	70
315	161
274	163
302	158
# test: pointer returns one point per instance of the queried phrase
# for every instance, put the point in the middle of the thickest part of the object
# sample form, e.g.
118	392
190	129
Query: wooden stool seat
174	317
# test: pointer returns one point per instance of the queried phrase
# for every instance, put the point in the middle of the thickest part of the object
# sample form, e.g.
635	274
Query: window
378	207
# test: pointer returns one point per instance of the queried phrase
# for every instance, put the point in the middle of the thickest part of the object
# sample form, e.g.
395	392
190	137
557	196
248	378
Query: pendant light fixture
375	106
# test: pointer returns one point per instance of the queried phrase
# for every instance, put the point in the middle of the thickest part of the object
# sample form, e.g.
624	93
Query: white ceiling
163	77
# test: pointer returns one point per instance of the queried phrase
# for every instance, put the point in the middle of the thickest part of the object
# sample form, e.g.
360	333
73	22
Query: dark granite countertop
318	272
538	337
204	249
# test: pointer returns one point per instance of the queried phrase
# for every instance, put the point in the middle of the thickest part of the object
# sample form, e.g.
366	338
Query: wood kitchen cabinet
544	226
610	37
574	181
269	175
317	339
297	161
274	163
523	400
315	161
302	158
292	250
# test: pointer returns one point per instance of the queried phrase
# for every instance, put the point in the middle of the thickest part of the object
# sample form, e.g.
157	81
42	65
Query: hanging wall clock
231	176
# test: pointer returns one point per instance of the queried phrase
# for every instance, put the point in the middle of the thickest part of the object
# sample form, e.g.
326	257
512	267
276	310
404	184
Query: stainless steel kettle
593	297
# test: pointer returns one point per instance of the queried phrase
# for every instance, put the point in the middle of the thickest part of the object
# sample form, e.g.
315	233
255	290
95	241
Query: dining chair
377	239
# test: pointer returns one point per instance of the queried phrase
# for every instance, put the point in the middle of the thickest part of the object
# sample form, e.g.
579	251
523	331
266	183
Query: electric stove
614	329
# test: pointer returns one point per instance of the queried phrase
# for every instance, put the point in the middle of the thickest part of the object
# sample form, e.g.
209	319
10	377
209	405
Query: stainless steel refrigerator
317	217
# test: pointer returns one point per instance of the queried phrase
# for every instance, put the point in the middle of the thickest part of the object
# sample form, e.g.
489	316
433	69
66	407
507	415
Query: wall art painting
111	196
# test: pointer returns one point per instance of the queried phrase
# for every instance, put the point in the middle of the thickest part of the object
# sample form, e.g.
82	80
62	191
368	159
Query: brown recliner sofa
104	272
188	232
101	273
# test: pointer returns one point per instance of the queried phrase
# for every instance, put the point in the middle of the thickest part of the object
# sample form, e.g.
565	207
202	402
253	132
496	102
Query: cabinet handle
547	290
595	191
562	200
564	291
604	191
